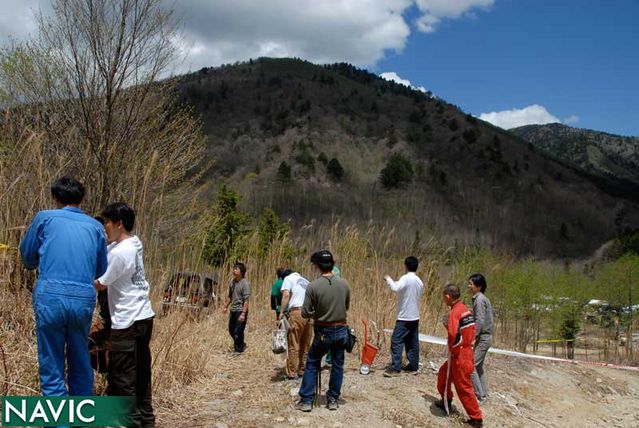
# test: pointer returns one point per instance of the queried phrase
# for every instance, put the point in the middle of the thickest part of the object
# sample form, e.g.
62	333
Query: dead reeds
191	353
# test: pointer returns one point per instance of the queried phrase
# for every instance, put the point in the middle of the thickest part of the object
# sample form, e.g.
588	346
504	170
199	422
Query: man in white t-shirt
300	331
131	313
409	289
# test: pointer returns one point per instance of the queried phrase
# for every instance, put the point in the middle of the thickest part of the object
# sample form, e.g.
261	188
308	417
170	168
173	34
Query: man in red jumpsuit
460	364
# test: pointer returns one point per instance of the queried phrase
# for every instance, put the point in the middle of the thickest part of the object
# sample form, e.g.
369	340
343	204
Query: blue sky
577	58
510	62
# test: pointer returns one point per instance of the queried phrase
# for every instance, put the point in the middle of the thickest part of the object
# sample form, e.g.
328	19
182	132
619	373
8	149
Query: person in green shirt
276	292
337	272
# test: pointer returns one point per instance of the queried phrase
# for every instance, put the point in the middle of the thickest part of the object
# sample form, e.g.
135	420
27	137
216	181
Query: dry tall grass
173	237
29	163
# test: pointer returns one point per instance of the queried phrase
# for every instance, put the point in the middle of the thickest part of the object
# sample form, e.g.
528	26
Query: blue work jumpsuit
69	249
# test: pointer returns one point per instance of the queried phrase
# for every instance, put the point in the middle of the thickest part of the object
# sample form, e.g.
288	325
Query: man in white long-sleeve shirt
409	289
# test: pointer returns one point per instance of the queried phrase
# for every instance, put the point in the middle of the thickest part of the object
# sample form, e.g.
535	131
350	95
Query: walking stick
318	385
445	398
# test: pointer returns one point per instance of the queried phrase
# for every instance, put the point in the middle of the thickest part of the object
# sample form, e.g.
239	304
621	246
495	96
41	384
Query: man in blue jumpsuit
69	249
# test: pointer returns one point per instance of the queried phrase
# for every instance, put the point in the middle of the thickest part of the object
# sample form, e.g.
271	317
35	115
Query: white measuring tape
441	341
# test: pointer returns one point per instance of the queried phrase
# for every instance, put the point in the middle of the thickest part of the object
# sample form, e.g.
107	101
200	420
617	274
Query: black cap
322	257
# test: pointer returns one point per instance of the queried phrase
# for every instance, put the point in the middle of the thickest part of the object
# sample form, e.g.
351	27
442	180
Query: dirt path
249	391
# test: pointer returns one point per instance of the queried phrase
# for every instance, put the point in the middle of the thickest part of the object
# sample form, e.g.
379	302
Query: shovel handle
365	332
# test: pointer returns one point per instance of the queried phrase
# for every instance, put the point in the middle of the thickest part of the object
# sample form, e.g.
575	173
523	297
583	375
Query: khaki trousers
300	335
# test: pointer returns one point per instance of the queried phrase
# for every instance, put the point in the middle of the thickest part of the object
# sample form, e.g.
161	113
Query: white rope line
441	341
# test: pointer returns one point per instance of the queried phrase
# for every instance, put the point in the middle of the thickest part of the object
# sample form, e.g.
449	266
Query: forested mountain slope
311	141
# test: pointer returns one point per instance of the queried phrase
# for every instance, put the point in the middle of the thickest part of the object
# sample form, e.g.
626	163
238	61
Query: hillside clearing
250	391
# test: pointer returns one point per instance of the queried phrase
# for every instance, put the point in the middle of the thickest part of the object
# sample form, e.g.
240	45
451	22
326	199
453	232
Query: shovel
369	352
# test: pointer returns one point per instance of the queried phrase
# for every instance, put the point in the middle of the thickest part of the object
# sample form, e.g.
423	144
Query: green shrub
323	158
226	227
269	230
284	173
397	173
305	158
629	242
335	170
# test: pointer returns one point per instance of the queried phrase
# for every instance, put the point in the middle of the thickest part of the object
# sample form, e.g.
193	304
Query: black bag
351	340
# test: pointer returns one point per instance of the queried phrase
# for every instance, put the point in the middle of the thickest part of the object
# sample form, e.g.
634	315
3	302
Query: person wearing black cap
327	301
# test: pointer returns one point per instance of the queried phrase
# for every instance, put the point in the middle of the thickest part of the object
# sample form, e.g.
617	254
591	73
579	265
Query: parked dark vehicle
190	290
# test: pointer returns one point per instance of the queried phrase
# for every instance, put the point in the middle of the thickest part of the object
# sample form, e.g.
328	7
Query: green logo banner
67	411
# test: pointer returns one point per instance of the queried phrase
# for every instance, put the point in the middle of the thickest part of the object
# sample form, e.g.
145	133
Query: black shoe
391	373
303	407
440	404
331	404
474	422
409	368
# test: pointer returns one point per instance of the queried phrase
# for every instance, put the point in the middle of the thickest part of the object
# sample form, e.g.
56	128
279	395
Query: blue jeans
62	327
333	339
405	335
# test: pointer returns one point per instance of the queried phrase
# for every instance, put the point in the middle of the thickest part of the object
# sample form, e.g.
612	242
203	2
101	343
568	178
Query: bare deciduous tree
90	81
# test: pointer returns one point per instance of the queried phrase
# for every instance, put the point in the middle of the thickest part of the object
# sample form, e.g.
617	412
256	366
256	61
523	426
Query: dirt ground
250	391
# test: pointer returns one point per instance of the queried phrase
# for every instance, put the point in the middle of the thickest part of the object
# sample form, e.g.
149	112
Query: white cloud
356	31
360	32
533	114
224	31
571	120
391	75
434	11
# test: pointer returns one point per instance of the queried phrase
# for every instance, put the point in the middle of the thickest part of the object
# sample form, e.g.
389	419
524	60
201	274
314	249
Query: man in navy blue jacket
69	249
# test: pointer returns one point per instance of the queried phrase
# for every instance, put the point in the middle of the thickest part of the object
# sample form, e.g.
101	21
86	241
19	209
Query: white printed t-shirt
296	284
128	291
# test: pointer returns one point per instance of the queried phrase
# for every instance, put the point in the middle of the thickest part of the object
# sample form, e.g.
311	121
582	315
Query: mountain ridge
605	154
472	182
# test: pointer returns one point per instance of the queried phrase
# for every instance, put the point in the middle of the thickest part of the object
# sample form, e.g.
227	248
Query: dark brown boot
440	404
475	422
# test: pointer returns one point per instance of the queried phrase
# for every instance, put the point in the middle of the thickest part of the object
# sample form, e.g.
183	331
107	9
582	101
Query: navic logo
68	411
